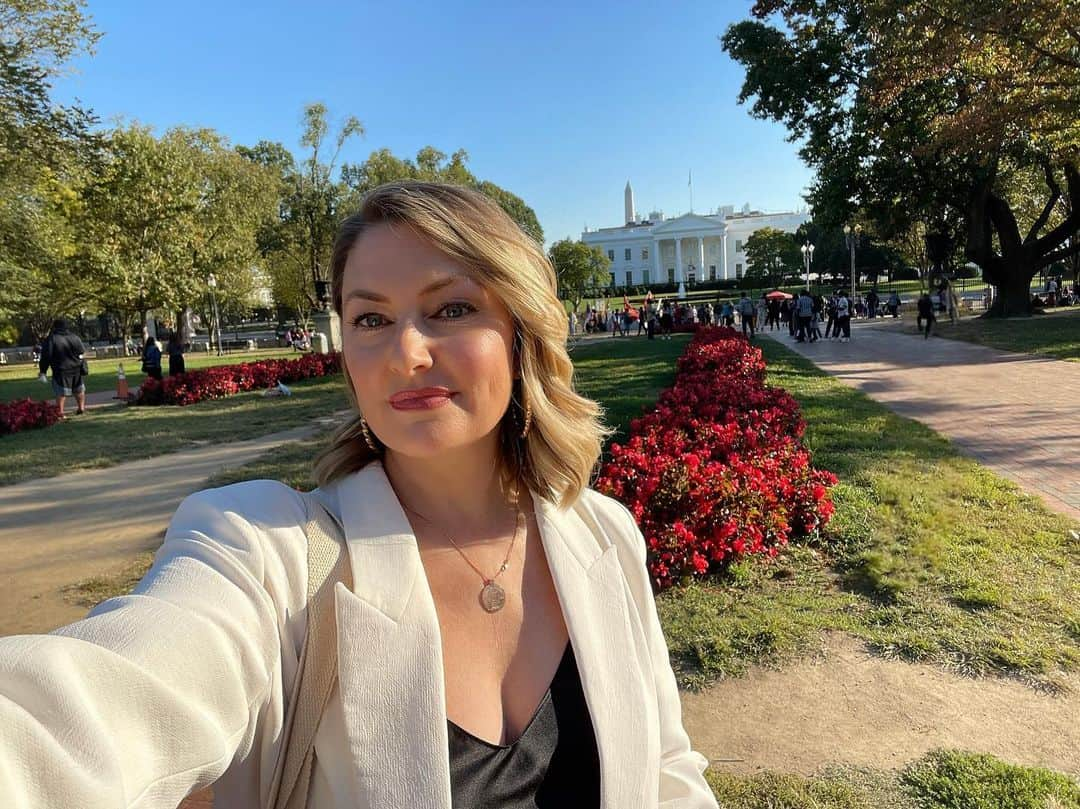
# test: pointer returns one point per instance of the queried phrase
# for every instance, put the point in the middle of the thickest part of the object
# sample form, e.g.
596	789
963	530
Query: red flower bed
716	470
226	380
26	414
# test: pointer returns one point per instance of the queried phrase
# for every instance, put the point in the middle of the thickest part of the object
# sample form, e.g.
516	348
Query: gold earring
367	435
528	421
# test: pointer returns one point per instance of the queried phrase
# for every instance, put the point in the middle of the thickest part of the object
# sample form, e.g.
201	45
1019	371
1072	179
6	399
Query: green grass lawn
943	779
116	434
21	381
1056	333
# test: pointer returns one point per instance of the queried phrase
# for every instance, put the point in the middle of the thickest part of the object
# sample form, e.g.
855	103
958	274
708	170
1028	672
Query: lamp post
807	258
216	325
852	237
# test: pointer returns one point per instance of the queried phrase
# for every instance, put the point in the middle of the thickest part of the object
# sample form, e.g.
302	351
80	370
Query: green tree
772	255
927	112
431	165
37	40
578	268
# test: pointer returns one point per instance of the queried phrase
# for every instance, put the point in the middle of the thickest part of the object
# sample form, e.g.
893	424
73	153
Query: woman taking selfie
473	625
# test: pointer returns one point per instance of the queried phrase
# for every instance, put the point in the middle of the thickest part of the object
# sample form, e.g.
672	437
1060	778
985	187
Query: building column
723	252
701	258
678	261
657	262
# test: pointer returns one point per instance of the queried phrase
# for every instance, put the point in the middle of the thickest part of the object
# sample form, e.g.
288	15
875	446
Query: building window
712	272
611	255
645	277
738	270
644	253
629	277
671	275
613	277
738	245
626	254
691	278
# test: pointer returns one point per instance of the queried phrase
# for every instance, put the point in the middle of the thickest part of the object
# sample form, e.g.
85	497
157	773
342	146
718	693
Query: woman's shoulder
258	504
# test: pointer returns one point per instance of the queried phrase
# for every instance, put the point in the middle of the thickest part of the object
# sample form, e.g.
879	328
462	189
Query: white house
691	248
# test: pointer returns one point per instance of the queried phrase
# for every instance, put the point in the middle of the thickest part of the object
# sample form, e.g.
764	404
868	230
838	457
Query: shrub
716	470
26	414
226	380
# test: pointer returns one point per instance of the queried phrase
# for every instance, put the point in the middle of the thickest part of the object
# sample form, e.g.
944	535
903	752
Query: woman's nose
410	350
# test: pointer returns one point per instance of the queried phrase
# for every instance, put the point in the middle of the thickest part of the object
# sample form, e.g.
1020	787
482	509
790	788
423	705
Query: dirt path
1010	412
852	708
59	531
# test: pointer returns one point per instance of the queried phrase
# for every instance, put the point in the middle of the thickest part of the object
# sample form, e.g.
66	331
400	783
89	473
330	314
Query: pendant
492	597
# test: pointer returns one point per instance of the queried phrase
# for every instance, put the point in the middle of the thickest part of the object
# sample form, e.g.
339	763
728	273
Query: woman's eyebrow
432	287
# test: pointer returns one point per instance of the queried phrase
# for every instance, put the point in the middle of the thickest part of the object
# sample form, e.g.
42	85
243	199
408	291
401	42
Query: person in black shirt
63	352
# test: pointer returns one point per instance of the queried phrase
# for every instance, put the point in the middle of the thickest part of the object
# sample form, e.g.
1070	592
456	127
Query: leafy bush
716	470
26	414
227	380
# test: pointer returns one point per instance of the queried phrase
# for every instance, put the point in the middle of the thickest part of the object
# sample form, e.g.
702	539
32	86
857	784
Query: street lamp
807	257
852	238
216	325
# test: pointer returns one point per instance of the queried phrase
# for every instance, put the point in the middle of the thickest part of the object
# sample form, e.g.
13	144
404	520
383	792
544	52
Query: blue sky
560	102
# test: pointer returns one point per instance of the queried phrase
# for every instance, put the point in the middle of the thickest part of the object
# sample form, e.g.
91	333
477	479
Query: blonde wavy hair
560	453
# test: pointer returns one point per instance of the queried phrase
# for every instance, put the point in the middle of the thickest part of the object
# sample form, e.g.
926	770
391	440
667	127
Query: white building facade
689	249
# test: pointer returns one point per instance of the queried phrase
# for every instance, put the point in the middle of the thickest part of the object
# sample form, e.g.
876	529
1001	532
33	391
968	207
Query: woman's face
429	350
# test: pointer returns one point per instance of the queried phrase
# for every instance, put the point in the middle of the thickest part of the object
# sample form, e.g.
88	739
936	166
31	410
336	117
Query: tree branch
1055	195
1059	255
1072	222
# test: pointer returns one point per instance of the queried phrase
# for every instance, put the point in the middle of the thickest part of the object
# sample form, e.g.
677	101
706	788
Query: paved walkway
1015	413
58	531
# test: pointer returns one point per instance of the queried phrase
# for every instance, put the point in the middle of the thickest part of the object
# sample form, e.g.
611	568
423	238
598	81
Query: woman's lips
420	400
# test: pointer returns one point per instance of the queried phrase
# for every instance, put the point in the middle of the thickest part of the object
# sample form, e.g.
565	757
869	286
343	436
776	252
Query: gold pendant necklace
492	597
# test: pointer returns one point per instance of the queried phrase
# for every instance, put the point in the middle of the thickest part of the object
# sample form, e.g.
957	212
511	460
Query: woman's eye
453	311
368	320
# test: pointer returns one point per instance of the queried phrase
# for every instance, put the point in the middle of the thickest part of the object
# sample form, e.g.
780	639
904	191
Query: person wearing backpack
63	352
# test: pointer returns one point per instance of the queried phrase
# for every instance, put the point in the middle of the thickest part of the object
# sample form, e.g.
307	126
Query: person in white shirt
480	582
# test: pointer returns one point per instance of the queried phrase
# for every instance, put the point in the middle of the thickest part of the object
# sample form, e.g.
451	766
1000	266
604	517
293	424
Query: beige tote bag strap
328	563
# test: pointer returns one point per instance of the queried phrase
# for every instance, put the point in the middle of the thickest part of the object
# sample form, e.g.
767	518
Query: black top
554	763
61	351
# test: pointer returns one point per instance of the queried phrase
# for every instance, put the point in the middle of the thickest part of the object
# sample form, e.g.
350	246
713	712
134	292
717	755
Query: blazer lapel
589	580
390	665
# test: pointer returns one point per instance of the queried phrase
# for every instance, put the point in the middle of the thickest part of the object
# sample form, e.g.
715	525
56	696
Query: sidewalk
1015	413
58	531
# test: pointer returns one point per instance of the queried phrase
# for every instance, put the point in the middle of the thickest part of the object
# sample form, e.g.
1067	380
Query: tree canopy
929	112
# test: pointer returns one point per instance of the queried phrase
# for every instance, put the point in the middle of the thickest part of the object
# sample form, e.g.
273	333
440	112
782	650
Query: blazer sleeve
682	780
153	694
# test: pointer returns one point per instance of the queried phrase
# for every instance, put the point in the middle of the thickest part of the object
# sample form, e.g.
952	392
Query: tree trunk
1013	290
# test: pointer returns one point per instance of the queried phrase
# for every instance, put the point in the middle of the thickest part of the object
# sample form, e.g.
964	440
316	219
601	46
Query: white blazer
183	683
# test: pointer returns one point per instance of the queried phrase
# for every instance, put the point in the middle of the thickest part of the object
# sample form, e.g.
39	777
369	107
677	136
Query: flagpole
690	183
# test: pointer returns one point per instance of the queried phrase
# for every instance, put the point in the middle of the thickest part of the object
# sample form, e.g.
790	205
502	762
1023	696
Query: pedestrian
926	314
746	315
843	316
460	483
176	354
151	359
63	353
871	304
727	314
831	331
667	323
804	310
894	304
773	321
